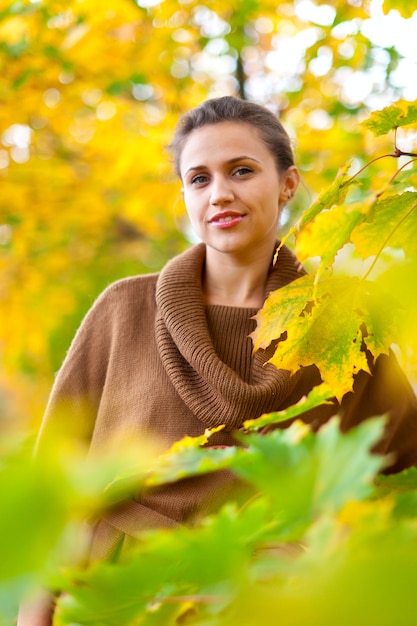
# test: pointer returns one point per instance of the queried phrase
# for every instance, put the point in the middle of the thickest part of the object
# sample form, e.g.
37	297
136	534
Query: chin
231	248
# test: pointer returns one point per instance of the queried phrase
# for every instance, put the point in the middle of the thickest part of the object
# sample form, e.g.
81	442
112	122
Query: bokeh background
90	91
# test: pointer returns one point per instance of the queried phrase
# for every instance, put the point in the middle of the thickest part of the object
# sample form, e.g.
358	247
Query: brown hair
232	109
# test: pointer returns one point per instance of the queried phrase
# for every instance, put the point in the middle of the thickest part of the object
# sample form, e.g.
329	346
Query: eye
243	170
200	179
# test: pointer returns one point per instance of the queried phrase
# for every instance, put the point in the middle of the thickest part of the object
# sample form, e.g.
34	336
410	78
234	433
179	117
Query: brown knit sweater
151	360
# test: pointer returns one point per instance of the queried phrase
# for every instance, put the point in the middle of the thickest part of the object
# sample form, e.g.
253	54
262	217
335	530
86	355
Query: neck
234	281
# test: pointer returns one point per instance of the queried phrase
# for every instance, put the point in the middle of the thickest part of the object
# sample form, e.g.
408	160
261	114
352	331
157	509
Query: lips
226	219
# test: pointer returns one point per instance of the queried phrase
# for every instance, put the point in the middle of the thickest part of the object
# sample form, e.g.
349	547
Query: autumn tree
90	92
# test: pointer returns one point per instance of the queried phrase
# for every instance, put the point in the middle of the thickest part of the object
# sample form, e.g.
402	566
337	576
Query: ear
289	183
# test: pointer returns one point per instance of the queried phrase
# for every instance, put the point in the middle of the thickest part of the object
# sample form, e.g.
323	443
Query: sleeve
386	392
75	395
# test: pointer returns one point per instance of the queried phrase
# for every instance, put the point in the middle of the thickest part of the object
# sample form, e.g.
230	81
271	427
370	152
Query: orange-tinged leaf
280	309
327	330
328	338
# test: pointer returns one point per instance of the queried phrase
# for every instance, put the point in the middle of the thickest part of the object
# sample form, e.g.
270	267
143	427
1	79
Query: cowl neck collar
212	391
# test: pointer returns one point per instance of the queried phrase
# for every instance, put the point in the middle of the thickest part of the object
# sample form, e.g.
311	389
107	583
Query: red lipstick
226	219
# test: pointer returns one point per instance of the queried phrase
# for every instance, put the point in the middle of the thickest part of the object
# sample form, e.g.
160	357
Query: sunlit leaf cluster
89	95
330	317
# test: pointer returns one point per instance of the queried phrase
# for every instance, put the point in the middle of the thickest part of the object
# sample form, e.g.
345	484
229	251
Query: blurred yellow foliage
90	92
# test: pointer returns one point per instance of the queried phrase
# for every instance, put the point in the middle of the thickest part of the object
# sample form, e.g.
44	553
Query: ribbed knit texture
210	387
229	330
119	380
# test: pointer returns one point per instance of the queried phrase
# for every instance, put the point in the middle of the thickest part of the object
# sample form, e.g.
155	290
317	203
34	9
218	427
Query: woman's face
232	189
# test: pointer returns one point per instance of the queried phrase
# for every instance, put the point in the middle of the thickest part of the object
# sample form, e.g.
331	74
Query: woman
167	355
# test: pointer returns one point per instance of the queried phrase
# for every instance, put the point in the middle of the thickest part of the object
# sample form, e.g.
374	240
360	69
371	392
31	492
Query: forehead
222	141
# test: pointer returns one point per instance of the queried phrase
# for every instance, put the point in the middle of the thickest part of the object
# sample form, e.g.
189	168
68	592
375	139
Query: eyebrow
243	157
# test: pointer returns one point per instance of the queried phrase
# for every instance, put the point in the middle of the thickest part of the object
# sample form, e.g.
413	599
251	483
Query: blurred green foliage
318	540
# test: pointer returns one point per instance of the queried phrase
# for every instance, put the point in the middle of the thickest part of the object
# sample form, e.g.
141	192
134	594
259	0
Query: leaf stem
205	599
396	155
400	169
398	152
381	156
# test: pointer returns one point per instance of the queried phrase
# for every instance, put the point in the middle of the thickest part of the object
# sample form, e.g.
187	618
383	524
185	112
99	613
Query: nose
221	191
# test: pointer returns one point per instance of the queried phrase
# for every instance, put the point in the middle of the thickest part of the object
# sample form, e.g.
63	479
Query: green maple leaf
400	279
312	473
392	221
188	457
403	482
325	324
319	395
333	195
391	117
328	338
175	465
281	308
328	233
167	572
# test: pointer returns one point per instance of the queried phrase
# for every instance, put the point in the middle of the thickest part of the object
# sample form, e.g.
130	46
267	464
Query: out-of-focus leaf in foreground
188	457
402	489
45	502
34	511
360	565
319	395
168	572
204	571
329	469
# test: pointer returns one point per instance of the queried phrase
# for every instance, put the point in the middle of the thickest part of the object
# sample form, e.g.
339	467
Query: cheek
189	207
192	205
193	214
